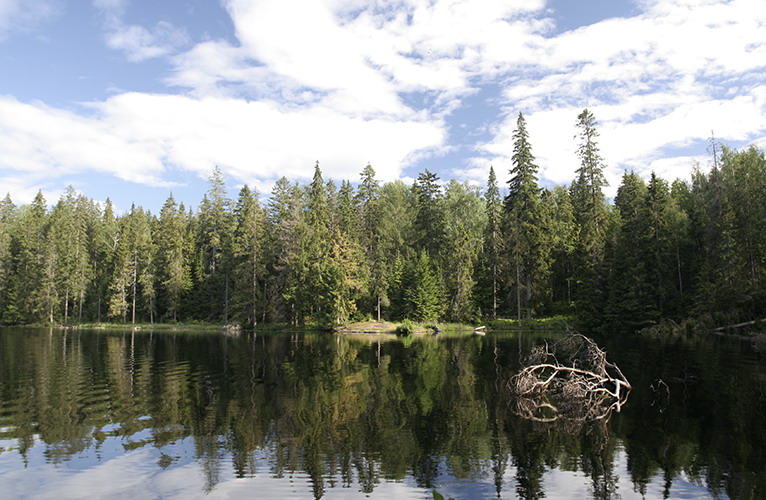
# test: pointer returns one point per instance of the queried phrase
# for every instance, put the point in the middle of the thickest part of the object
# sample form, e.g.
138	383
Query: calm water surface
86	414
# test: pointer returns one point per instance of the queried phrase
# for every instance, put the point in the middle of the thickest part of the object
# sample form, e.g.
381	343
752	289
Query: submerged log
570	380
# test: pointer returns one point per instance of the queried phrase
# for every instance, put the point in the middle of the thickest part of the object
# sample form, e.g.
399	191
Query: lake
104	414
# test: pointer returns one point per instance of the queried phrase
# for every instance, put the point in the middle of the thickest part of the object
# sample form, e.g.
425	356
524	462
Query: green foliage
423	300
406	327
321	254
527	250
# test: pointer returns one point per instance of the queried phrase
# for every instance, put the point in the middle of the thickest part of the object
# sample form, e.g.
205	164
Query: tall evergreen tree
215	228
371	240
248	254
630	302
7	223
562	235
493	242
423	299
464	223
429	218
31	290
591	216
174	274
526	249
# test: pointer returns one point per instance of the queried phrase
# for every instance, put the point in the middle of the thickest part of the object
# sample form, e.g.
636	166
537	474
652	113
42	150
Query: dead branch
571	380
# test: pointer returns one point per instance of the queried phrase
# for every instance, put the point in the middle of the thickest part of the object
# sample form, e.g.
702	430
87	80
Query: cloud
25	15
139	137
350	81
140	44
137	42
658	83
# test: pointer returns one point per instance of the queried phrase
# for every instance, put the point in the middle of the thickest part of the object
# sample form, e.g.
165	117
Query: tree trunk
378	308
135	280
518	292
528	296
66	306
494	291
226	301
255	288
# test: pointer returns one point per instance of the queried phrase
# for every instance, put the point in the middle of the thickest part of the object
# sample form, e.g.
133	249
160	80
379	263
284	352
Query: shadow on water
313	416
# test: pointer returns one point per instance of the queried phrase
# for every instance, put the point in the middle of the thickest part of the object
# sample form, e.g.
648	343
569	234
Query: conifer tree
630	301
30	294
371	239
524	231
591	217
248	254
7	223
215	226
429	218
493	238
464	223
562	236
173	267
423	299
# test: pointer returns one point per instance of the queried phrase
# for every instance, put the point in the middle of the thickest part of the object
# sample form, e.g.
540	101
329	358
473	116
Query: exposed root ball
570	379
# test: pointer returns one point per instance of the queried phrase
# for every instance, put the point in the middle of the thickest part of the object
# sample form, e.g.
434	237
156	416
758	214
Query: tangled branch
569	380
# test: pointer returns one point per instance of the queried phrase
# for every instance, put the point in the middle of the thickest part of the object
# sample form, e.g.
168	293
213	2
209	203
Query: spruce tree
493	239
527	252
591	217
423	299
464	224
429	219
215	227
7	223
371	239
248	254
174	274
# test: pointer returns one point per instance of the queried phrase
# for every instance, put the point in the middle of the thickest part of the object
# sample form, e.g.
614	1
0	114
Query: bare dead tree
569	380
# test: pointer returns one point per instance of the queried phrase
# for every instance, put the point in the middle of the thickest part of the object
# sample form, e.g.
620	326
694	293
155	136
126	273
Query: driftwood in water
739	325
569	380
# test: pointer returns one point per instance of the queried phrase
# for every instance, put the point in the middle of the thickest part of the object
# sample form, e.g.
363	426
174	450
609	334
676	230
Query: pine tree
630	302
429	219
215	227
248	254
68	232
371	238
591	217
562	234
423	300
31	290
524	231
464	225
493	238
7	223
284	236
104	244
174	273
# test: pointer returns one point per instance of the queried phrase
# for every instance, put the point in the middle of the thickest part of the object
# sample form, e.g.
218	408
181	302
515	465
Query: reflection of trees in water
349	413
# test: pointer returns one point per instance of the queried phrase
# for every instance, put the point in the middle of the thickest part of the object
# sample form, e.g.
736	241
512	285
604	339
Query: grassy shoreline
355	328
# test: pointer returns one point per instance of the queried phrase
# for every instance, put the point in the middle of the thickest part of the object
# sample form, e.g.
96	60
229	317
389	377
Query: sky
137	99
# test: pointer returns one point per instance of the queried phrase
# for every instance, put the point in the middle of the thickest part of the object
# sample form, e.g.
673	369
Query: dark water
173	415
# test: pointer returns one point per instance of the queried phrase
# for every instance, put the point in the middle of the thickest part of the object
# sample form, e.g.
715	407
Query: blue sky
135	99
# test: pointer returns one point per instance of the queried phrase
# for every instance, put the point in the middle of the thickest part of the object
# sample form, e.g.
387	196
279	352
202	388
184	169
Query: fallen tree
570	380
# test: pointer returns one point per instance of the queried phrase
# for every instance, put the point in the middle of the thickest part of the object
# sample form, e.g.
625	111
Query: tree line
324	254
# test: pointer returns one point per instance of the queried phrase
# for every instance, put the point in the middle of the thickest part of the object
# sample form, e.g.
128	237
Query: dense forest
323	254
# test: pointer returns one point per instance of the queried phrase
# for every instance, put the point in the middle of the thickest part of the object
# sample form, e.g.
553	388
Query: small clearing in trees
569	380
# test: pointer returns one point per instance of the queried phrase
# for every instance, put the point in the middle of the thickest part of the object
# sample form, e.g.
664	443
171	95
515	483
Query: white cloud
25	15
136	137
137	42
140	44
657	82
340	81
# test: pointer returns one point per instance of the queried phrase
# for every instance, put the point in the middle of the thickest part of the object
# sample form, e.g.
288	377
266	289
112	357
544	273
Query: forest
322	254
